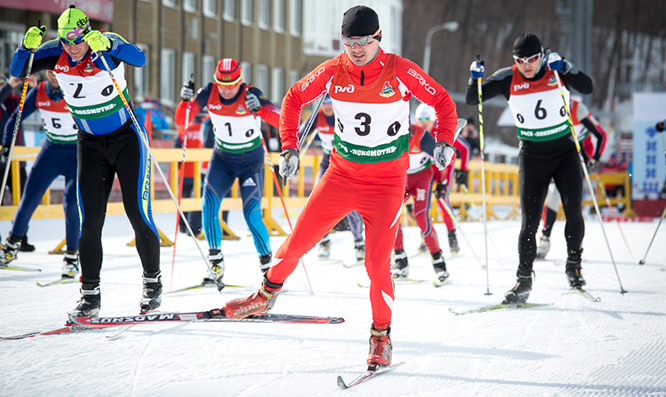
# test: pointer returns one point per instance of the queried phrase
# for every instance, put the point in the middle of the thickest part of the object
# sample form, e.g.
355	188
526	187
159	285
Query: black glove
440	190
461	177
593	166
4	154
660	126
187	92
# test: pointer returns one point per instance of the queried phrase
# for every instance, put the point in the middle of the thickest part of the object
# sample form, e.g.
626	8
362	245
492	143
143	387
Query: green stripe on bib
368	155
100	110
544	134
238	147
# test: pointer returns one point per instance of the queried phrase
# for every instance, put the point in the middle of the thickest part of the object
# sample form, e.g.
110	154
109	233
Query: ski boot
324	251
544	247
520	292
151	298
574	274
89	304
381	349
258	303
265	262
10	251
453	242
422	247
440	266
70	264
359	249
25	245
216	260
400	268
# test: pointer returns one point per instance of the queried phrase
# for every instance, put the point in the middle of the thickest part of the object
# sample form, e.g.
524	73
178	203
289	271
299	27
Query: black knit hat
527	44
359	21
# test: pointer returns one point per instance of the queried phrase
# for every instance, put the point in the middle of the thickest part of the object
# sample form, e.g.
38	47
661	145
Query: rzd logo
422	81
215	107
63	68
517	87
349	89
312	78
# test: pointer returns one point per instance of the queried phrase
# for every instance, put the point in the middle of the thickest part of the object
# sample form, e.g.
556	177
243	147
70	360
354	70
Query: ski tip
341	383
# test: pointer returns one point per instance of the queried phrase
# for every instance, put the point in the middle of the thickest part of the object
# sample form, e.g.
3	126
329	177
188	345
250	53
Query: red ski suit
373	187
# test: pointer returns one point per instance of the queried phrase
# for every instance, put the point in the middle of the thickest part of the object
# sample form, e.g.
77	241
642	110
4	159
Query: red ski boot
258	303
380	347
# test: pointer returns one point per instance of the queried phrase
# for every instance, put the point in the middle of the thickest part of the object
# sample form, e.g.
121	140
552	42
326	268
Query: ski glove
660	126
288	162
476	69
593	166
252	102
187	92
443	154
440	190
461	177
4	154
33	37
555	62
97	41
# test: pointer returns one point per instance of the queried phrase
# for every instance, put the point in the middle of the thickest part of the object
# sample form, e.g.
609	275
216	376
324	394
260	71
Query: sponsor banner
101	10
648	163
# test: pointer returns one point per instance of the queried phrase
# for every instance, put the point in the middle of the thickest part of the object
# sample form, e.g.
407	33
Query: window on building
168	76
277	86
229	10
246	72
207	69
294	76
264	14
190	5
262	78
188	67
246	12
295	16
169	3
210	8
141	88
192	28
278	15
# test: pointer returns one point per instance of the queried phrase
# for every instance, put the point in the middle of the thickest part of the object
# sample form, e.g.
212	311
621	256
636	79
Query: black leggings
99	159
539	162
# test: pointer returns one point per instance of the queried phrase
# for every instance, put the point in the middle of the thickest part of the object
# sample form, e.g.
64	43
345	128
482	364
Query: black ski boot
520	292
25	245
400	268
151	298
70	264
265	262
216	260
574	274
89	304
359	249
453	242
440	266
324	251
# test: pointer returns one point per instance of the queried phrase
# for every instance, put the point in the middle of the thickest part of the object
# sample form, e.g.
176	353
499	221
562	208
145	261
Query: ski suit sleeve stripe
198	102
302	93
269	112
427	90
125	51
46	57
464	149
499	83
29	107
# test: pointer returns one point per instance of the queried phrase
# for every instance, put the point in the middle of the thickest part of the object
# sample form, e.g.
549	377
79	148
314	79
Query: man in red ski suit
370	90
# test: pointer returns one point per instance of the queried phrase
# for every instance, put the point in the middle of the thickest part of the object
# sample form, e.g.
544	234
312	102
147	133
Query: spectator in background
471	135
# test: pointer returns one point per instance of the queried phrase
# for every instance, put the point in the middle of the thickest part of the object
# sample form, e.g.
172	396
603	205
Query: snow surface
616	347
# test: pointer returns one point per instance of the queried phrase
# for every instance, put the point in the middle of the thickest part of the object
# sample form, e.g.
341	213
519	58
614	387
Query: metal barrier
502	188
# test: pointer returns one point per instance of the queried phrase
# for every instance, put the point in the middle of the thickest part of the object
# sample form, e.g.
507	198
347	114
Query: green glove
97	41
33	37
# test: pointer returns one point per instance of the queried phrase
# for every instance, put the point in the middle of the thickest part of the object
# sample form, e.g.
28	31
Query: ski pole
469	197
285	180
144	139
642	261
587	176
181	173
277	186
443	203
610	207
483	175
18	119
